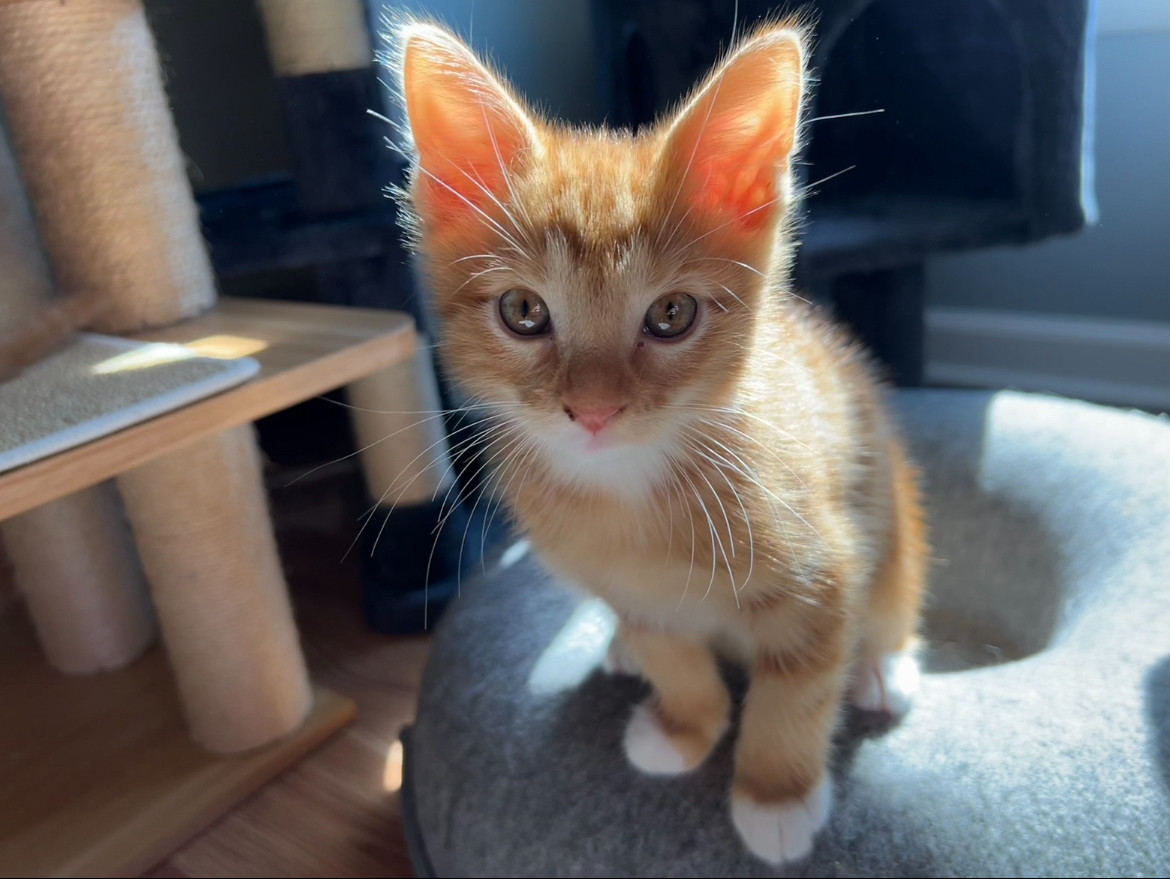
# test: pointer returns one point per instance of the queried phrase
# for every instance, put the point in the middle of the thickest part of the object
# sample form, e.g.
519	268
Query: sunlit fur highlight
753	494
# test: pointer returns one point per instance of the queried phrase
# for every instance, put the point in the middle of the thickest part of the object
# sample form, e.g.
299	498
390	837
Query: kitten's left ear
468	130
730	145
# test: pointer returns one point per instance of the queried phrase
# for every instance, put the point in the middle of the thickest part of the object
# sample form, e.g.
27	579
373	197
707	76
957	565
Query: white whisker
484	216
438	532
522	443
710	527
728	291
725	259
370	513
703	450
500	499
809	186
726	520
690	516
843	116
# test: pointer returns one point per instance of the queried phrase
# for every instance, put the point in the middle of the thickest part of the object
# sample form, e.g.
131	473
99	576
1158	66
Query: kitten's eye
671	315
524	313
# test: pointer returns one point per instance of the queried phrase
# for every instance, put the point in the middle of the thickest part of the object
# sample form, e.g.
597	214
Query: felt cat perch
88	120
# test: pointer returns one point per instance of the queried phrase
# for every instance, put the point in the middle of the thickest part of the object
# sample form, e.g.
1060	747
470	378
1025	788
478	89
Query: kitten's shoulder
818	326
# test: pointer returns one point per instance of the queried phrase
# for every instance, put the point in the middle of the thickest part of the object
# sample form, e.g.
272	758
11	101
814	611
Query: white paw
649	748
782	832
887	685
618	660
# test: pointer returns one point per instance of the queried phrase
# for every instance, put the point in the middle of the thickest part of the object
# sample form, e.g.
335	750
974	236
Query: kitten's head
597	288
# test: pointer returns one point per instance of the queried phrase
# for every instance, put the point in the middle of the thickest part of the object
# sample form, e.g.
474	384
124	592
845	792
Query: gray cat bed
1039	744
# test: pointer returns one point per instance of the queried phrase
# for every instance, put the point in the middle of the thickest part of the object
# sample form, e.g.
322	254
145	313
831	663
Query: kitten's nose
593	418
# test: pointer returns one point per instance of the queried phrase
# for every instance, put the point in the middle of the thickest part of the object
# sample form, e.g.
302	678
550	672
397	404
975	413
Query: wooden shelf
98	776
303	350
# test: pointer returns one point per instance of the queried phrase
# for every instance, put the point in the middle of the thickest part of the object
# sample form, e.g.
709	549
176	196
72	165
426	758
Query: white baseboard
1122	363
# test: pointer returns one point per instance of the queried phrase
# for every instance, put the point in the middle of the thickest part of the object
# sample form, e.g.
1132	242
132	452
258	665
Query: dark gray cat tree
980	140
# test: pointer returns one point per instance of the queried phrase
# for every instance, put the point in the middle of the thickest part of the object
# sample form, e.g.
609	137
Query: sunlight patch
513	554
392	772
577	650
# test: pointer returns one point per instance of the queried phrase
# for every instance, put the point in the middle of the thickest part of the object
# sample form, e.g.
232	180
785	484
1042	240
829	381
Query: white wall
1132	16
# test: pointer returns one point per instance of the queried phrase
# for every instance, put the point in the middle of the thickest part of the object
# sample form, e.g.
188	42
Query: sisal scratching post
206	542
73	559
316	36
397	424
89	122
75	562
93	136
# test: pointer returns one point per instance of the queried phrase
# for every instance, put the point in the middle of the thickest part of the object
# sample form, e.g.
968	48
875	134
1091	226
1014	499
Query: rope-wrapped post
90	125
316	36
201	520
89	122
72	559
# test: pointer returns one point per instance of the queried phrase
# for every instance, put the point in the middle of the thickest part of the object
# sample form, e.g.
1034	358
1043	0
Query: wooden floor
337	812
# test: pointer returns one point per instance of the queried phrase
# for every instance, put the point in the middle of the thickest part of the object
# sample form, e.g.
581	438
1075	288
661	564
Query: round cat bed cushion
1039	744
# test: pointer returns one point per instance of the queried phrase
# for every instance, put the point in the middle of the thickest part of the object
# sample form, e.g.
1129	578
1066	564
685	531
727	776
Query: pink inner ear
746	191
740	177
467	130
735	138
453	188
464	149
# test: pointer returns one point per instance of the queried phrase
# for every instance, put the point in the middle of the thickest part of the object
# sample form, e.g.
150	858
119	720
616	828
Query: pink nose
593	418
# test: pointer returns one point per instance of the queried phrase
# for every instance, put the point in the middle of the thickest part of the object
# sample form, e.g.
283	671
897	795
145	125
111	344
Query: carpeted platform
100	384
1040	744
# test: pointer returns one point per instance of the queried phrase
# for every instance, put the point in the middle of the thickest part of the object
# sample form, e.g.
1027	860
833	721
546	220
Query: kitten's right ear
469	132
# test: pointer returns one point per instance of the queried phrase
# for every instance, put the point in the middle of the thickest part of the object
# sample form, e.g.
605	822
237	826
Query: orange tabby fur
751	494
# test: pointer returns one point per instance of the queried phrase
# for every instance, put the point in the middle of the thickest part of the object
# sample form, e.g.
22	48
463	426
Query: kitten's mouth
596	442
587	442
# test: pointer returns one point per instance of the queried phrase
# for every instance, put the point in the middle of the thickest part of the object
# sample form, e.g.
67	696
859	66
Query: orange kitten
679	433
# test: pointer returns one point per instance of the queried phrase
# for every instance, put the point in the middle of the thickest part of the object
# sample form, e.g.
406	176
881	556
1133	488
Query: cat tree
91	132
89	122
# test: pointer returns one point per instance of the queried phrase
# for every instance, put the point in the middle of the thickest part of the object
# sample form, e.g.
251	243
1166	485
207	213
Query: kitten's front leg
675	729
618	659
783	791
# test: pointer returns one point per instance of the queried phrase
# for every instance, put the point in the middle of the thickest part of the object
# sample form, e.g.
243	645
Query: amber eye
524	313
671	315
